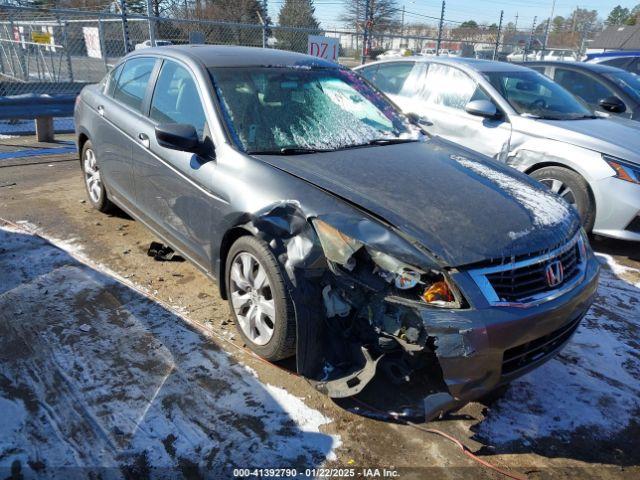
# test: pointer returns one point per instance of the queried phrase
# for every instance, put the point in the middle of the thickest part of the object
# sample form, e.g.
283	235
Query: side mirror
612	104
178	136
419	120
481	108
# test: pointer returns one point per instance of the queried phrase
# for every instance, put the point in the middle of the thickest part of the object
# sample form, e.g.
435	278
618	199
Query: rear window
132	83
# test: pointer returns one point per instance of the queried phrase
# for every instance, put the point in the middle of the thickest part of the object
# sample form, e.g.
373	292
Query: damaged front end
372	301
359	288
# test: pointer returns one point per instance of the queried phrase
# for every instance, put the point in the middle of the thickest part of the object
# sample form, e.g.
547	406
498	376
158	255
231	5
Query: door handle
144	139
101	110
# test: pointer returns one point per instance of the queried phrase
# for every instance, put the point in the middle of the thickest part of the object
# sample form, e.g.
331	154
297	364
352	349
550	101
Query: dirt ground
554	434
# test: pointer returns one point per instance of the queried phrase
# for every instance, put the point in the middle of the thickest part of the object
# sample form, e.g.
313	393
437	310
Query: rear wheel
93	179
259	302
573	188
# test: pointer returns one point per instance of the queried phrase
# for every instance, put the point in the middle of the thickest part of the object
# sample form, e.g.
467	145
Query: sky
482	11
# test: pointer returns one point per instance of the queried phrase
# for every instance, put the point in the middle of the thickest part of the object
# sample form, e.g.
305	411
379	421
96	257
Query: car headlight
624	170
406	282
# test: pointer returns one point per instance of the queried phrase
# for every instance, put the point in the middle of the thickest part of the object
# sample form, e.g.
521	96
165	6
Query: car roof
234	56
593	67
469	63
614	53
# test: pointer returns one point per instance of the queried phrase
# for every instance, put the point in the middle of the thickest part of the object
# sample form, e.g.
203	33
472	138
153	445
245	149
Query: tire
573	188
93	182
270	328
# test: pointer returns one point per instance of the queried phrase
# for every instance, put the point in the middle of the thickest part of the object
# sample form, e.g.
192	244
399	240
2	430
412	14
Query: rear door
173	186
120	110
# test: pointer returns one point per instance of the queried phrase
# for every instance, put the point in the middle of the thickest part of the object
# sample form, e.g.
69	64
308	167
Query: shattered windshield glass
296	110
534	95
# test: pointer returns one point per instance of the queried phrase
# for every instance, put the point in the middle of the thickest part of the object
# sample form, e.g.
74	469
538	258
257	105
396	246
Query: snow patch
547	209
140	382
594	383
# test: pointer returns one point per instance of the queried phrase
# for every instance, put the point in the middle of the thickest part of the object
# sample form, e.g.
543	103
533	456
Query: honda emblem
554	273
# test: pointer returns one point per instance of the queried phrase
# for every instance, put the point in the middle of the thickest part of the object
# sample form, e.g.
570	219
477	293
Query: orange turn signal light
438	292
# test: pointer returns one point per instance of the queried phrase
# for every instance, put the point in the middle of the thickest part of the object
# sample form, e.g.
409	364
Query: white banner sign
92	41
323	47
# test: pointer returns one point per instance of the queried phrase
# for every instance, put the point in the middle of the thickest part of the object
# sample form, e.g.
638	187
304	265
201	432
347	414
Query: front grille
634	226
520	357
521	283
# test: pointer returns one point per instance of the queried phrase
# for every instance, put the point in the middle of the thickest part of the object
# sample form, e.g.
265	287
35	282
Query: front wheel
259	302
573	188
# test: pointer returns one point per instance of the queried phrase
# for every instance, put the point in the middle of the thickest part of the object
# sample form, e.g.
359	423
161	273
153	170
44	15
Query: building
617	37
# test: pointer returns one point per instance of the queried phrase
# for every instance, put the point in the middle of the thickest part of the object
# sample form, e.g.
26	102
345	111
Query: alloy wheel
252	299
92	175
559	188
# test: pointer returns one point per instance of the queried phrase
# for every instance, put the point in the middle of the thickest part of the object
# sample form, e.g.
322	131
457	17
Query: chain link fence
51	51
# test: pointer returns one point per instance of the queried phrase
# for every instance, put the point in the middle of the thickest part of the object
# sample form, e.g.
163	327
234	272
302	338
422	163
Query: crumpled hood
617	137
463	207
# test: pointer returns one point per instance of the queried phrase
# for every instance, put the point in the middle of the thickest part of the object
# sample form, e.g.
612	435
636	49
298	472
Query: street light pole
546	32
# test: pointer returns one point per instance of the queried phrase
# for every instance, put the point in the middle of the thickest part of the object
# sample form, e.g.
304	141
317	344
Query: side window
583	86
620	62
390	77
539	69
450	87
111	79
176	99
132	82
634	66
369	72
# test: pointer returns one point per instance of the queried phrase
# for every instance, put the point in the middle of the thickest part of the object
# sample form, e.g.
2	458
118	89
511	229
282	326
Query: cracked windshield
295	110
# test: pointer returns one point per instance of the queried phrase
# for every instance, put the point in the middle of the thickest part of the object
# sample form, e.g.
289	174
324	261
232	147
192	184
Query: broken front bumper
483	347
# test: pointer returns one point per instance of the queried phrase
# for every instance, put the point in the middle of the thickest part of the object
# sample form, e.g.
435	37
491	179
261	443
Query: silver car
519	116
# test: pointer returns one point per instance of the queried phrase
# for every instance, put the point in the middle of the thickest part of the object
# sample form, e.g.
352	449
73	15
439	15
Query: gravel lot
112	360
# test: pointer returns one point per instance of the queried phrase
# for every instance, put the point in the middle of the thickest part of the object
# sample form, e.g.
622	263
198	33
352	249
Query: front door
171	184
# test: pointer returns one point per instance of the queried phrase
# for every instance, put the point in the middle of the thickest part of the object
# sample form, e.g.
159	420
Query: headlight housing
406	282
624	170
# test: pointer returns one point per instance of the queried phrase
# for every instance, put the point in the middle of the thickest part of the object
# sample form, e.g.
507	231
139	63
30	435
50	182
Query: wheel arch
83	138
541	165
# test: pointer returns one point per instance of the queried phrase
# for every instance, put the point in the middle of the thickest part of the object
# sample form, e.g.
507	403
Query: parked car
334	226
626	60
427	52
399	52
147	44
520	55
557	55
519	116
603	88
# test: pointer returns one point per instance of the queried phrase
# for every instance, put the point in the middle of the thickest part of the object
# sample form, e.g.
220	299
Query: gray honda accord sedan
337	229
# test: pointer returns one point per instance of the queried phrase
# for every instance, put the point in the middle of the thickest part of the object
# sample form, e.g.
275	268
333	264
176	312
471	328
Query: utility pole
440	26
516	24
125	26
546	32
496	48
402	23
533	28
365	36
152	25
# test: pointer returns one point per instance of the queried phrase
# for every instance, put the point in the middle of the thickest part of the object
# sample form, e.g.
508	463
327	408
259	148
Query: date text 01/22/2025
315	473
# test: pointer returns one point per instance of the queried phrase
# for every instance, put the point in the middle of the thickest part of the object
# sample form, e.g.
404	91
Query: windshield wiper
390	141
288	151
301	150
